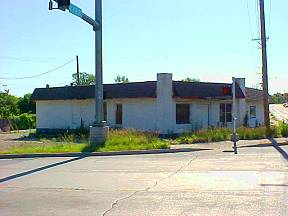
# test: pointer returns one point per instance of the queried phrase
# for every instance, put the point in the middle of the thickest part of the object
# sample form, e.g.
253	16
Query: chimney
164	85
165	114
241	83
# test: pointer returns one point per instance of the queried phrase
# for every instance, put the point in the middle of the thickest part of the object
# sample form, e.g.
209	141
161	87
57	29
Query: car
285	105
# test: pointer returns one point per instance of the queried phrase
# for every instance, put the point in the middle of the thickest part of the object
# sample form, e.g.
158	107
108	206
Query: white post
234	116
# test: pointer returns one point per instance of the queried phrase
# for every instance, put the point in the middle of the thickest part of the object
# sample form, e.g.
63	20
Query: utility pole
78	72
264	66
98	66
99	130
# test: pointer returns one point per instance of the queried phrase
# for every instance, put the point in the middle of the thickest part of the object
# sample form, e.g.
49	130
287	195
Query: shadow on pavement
262	145
272	144
29	172
274	185
280	150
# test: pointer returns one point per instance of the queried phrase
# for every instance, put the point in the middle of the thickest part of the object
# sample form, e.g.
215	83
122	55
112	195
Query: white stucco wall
137	113
142	114
64	114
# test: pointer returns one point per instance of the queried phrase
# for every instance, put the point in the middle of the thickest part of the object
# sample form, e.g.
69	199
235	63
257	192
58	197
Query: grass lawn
119	140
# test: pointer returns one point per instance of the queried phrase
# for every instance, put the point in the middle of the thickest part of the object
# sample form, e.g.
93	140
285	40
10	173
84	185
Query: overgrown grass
119	140
205	135
283	129
224	134
29	147
252	133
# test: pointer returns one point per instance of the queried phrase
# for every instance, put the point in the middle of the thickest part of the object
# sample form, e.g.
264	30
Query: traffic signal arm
96	25
65	4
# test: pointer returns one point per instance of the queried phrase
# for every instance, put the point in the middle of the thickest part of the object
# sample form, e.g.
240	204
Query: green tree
8	105
26	105
190	80
121	79
279	98
85	79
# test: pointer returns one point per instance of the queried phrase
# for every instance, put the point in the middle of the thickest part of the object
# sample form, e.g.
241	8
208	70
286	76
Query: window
118	113
182	113
225	113
252	111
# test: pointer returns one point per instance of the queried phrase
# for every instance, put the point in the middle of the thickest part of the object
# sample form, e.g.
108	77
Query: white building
165	106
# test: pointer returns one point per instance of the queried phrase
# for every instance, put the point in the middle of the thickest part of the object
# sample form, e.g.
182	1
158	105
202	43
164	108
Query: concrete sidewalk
224	145
227	145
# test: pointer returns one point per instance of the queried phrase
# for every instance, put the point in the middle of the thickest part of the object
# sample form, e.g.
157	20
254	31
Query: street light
99	130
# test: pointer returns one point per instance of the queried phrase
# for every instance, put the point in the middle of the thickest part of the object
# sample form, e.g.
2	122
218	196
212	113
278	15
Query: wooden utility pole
78	72
264	66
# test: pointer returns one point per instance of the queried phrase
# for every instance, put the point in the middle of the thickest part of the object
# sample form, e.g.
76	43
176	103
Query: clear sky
208	40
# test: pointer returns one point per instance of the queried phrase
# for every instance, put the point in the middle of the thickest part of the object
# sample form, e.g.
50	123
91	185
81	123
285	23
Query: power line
25	59
37	75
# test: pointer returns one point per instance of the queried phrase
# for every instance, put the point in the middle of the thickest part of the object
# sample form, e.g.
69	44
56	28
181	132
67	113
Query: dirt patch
11	139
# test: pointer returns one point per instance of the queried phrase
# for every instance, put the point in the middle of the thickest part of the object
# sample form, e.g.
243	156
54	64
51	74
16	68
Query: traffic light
63	4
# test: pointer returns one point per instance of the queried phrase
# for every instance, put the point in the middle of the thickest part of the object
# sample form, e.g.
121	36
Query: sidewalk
216	146
227	145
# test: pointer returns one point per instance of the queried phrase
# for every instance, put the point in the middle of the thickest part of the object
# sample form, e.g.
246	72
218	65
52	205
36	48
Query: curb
88	154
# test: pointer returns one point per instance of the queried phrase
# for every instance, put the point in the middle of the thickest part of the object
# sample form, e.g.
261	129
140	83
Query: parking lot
279	112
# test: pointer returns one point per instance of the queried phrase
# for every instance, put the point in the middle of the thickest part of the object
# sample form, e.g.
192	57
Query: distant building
165	106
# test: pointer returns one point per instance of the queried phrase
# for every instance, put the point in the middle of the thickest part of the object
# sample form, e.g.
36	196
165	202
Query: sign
75	10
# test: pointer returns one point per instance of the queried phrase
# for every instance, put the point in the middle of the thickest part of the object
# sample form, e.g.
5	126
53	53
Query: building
165	106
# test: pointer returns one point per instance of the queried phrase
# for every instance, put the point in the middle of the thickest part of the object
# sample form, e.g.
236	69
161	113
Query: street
279	112
204	182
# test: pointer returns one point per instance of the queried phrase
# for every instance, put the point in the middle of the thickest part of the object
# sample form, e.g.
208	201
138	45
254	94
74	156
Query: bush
283	129
23	121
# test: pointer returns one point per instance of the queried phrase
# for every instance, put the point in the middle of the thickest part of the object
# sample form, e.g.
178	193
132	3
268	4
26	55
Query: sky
207	40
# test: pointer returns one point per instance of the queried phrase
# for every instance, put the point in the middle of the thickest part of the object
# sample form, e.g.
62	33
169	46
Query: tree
190	80
279	98
121	79
85	79
26	105
8	105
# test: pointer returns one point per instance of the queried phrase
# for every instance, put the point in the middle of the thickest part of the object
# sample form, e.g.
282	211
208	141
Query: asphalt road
279	112
254	182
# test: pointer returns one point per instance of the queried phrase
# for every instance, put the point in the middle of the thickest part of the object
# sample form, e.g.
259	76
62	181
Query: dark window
182	113
225	113
252	111
105	111
118	113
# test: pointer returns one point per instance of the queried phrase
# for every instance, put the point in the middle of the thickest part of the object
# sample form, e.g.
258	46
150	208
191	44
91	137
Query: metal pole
98	66
264	66
234	115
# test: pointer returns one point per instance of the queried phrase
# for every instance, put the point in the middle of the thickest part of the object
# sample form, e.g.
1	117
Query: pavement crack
116	202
